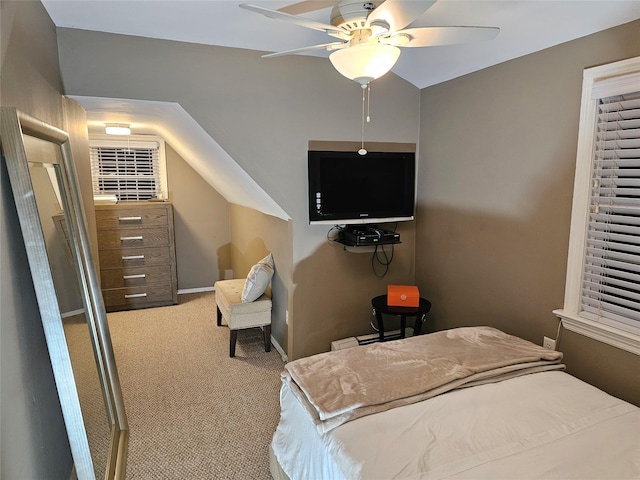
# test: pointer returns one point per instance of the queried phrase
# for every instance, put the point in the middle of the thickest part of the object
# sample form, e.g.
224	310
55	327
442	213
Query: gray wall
75	124
201	220
58	248
33	437
253	236
497	161
263	113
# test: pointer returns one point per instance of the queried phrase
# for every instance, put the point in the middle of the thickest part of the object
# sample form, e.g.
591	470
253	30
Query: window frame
102	139
619	77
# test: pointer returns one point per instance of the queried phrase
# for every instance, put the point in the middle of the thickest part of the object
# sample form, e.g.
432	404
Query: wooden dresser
137	255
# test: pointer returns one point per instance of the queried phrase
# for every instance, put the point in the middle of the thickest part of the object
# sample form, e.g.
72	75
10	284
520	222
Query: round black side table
380	308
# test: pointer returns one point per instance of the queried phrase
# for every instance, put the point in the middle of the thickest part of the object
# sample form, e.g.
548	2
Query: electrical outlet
549	343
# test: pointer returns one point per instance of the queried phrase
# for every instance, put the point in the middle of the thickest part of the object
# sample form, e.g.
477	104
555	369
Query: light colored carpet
193	412
89	388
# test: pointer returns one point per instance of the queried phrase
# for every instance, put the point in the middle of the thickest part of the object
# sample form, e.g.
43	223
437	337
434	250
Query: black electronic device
363	236
348	188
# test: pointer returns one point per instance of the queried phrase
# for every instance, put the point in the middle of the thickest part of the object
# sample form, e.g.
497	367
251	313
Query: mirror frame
14	124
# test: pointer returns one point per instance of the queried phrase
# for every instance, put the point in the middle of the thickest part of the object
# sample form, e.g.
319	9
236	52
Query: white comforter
543	425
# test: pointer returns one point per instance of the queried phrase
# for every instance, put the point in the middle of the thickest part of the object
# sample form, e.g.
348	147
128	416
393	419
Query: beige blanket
340	386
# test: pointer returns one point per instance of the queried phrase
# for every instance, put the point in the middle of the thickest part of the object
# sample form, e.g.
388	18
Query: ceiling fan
369	33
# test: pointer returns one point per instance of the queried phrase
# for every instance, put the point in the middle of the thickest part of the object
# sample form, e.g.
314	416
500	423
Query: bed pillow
258	279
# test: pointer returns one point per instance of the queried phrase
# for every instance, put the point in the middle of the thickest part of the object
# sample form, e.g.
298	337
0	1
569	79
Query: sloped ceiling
526	26
170	121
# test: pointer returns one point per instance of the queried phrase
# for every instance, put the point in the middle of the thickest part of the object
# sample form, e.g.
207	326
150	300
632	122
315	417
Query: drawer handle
129	219
124	239
131	277
136	295
133	257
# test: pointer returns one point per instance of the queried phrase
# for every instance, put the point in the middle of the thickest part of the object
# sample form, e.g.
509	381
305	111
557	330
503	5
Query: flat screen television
349	188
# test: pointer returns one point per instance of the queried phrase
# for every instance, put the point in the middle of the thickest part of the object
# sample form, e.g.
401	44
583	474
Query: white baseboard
72	313
195	290
277	346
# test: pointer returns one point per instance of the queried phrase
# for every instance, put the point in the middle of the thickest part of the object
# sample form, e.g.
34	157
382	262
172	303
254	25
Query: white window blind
611	278
129	169
602	290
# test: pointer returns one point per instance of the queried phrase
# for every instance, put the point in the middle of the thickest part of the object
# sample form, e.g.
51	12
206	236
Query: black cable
387	260
335	227
379	256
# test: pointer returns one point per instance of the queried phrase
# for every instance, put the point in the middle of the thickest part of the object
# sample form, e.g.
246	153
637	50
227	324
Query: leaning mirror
52	219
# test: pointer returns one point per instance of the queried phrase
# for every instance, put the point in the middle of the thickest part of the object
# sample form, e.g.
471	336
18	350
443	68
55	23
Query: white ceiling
526	27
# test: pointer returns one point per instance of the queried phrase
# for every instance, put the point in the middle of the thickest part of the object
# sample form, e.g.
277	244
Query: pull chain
362	150
368	101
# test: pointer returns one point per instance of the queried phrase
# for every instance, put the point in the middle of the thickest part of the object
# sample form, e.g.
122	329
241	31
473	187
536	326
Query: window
131	168
602	293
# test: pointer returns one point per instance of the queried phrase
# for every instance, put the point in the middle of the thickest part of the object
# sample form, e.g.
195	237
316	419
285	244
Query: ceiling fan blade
434	36
306	6
303	22
399	13
324	46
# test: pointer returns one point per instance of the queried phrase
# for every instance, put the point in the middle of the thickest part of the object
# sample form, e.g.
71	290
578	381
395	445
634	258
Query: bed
465	403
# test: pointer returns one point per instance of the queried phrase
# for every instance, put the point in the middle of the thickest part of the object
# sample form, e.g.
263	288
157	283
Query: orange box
403	296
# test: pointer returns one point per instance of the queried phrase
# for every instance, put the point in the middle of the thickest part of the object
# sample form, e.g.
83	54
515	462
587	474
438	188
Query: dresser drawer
137	255
134	257
131	217
139	238
137	297
135	276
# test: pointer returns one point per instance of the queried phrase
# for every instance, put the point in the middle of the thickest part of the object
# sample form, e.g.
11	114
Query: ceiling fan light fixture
379	27
117	129
398	39
366	62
